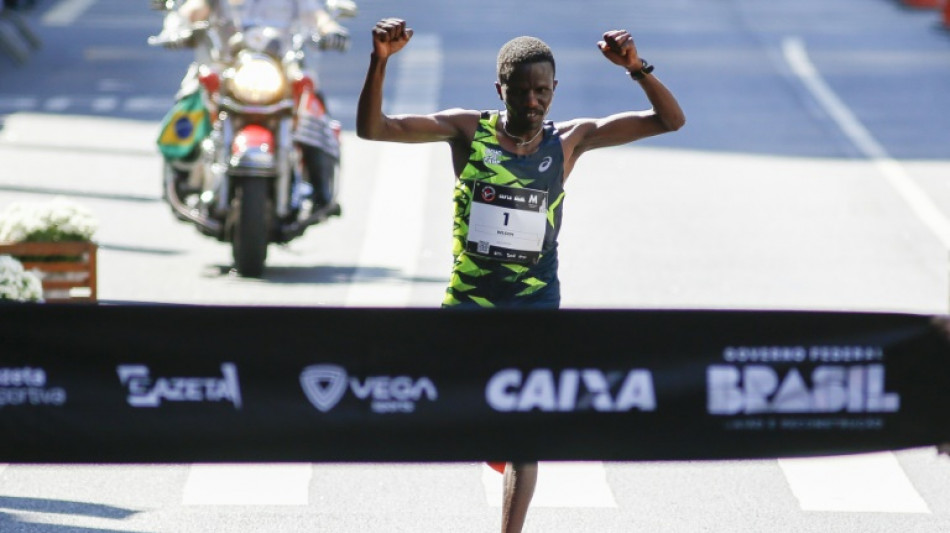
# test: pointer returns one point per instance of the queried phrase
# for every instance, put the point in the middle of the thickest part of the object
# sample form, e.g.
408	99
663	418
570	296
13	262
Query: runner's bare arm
665	115
389	37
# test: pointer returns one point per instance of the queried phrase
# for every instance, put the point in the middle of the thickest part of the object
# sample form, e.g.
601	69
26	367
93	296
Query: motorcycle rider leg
318	136
321	170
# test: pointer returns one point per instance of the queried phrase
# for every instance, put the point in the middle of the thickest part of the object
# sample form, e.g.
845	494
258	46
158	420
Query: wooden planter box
70	273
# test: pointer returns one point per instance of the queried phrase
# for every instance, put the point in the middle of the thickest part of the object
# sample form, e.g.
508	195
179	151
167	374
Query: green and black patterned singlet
507	217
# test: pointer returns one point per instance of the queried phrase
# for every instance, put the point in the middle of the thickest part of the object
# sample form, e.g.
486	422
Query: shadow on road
139	249
326	274
80	194
11	523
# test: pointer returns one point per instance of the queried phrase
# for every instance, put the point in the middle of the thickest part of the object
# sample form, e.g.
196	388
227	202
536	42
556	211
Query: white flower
18	284
57	220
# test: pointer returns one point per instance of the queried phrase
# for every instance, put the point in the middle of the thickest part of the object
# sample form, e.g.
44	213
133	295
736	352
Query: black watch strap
642	73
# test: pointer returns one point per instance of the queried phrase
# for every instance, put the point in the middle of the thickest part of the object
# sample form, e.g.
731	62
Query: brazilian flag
183	127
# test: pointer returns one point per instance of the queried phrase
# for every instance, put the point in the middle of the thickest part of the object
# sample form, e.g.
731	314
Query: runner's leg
520	480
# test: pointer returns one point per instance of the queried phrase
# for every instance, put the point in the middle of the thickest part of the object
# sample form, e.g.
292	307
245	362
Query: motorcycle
268	167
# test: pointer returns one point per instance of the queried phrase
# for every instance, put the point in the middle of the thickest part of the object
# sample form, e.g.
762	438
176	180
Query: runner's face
528	95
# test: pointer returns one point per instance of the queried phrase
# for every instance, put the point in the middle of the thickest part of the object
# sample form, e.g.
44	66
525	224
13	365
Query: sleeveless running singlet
507	217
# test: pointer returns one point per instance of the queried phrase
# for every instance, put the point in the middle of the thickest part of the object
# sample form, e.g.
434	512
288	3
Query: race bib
507	223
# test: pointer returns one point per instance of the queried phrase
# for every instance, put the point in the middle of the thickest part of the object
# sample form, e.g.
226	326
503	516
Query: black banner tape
193	383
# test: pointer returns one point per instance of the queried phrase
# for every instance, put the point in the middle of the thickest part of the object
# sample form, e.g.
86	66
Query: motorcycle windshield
289	16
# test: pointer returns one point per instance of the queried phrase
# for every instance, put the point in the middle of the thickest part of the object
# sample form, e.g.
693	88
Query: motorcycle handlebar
183	38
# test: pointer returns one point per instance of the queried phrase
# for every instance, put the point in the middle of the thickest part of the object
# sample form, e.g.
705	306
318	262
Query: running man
511	166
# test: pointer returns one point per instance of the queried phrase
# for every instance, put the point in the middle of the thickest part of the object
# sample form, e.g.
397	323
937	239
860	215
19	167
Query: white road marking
104	104
869	483
147	103
922	206
110	84
394	231
560	484
107	21
116	53
248	484
58	103
18	103
84	103
66	12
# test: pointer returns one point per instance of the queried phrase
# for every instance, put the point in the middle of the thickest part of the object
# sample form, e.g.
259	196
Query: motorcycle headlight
258	80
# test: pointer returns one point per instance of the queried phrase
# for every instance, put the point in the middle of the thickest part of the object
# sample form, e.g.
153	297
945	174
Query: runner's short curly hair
521	51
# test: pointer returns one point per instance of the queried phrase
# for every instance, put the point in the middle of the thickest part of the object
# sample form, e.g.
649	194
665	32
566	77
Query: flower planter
66	269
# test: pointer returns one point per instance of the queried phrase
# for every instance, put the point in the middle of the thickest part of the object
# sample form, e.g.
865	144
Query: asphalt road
812	174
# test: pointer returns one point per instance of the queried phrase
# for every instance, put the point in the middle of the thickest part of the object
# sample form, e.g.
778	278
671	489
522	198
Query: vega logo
144	391
571	390
326	385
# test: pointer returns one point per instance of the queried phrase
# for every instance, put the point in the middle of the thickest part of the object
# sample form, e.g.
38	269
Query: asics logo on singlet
545	164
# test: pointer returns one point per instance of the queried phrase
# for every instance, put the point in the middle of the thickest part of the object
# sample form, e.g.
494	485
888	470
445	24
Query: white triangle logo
324	385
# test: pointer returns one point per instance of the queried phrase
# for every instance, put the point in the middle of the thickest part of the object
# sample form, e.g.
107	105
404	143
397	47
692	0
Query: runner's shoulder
460	113
465	121
575	126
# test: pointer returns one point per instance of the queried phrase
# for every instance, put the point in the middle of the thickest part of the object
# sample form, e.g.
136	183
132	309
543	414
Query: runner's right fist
389	36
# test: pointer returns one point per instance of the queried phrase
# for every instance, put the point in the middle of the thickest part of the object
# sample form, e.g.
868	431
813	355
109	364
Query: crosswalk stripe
95	103
87	103
104	104
145	103
116	53
66	12
867	483
872	483
17	103
248	484
394	232
560	484
59	103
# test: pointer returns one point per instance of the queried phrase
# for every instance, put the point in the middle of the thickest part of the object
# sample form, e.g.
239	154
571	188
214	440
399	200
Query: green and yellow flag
183	127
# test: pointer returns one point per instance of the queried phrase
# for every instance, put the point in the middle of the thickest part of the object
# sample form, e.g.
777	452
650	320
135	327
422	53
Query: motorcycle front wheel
251	226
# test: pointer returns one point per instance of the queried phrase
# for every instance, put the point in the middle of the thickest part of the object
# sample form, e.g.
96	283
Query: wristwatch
642	73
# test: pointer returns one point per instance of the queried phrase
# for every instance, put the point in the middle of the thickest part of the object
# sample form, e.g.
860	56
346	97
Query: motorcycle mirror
343	9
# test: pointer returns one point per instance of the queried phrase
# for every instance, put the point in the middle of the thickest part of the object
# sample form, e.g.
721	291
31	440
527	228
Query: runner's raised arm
581	135
389	37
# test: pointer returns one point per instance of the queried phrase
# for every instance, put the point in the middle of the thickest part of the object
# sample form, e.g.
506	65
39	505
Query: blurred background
813	173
